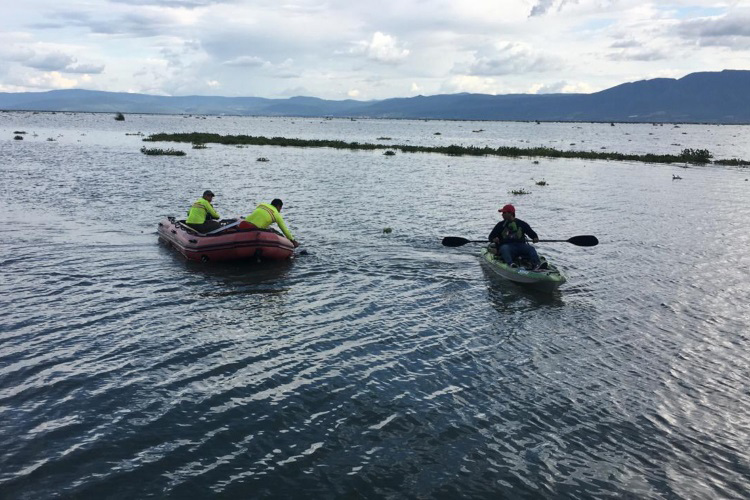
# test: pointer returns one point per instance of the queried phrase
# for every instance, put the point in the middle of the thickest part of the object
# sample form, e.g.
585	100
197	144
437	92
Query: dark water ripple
373	365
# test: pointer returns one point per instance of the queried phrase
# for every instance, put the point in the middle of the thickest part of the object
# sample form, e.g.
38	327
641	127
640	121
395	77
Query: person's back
201	214
266	214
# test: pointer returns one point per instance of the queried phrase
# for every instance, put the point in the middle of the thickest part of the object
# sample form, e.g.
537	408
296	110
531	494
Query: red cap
508	208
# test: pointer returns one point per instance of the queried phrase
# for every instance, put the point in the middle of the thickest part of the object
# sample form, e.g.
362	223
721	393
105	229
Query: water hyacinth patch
162	152
696	156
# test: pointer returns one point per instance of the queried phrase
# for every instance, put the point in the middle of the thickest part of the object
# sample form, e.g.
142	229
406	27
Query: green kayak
547	279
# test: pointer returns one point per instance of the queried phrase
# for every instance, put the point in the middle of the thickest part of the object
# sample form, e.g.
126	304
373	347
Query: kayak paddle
457	241
581	241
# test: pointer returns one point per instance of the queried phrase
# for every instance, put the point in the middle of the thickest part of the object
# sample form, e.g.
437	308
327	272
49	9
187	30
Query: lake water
372	365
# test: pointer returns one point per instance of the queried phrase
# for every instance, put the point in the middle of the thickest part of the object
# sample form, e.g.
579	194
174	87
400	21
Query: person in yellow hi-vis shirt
268	213
201	214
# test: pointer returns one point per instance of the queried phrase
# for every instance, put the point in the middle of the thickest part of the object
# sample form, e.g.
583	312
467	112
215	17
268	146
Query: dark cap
208	192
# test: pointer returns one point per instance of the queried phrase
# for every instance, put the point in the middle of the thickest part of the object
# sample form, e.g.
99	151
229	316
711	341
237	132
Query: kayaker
266	214
508	236
201	214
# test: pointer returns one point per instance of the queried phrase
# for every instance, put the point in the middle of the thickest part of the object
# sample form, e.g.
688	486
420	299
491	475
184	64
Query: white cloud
382	48
725	31
386	49
50	80
470	84
560	88
541	7
246	61
509	58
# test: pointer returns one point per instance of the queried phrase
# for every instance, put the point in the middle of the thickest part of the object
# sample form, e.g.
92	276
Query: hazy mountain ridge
707	97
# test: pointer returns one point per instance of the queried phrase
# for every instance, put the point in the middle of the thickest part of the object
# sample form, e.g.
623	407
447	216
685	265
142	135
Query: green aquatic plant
520	191
120	117
384	139
389	153
261	159
387	230
18	138
19	132
541	183
733	162
162	152
692	156
199	146
698	156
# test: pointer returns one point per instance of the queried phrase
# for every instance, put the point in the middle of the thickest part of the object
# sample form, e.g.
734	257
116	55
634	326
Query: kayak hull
548	279
232	244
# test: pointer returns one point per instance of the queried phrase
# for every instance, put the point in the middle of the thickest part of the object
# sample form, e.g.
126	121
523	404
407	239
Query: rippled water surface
372	365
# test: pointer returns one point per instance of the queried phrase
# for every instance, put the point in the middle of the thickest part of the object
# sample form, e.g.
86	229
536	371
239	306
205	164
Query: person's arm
529	232
284	229
495	233
210	210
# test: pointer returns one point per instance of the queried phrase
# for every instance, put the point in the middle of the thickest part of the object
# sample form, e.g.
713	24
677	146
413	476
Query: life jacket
198	212
512	231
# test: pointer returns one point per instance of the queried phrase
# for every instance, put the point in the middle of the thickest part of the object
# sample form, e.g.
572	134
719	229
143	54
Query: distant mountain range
708	97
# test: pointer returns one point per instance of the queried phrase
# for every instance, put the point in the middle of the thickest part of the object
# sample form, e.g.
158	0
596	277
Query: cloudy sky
339	49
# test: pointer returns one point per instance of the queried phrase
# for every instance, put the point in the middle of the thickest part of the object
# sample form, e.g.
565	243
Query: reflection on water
507	296
372	364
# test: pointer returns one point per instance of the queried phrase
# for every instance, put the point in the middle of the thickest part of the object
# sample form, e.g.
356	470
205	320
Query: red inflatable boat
233	241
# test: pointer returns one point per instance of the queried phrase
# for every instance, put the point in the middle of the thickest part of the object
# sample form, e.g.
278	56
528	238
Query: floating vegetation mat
694	156
162	152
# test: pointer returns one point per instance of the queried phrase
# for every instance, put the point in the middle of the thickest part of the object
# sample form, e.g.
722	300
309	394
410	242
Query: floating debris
18	138
384	139
261	159
676	177
387	230
21	132
199	146
120	117
520	191
541	183
389	153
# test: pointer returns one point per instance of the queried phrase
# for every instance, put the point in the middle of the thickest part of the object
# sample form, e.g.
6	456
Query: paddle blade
454	241
584	240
